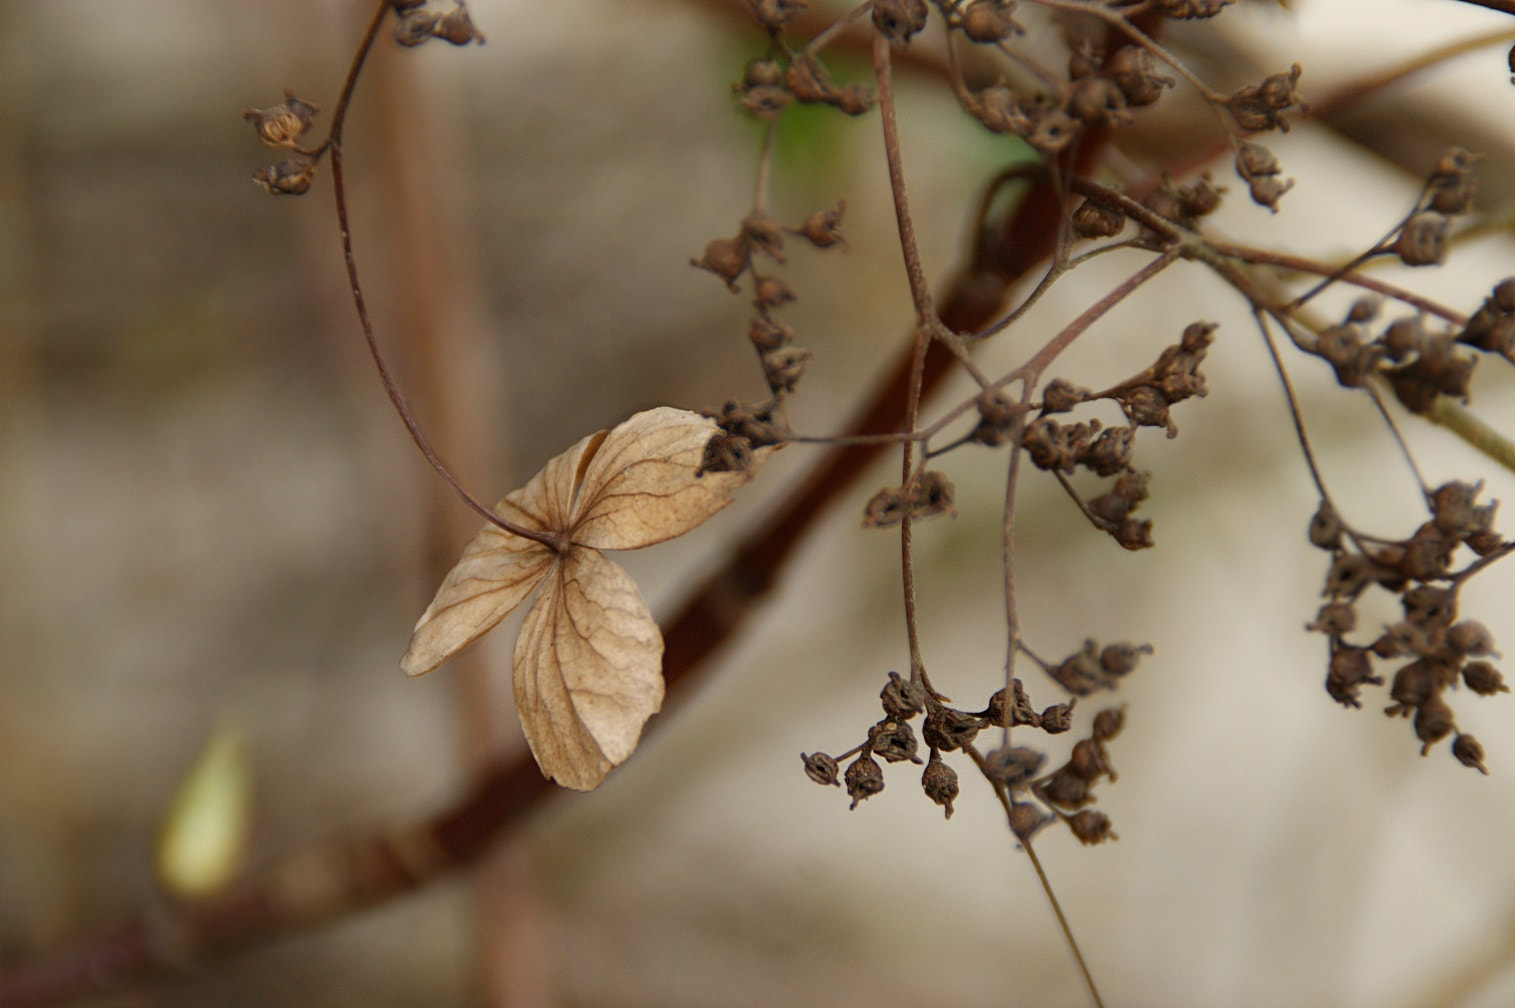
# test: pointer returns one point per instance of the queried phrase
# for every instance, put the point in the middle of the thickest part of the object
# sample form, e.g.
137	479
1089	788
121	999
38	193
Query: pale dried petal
496	572
588	670
644	484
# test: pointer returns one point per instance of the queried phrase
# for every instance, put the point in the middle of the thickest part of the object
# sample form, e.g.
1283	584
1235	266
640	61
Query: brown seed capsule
947	729
725	257
282	125
1026	820
784	366
416	27
894	741
1058	718
726	452
1108	723
766	334
762	73
1260	107
820	768
997	415
1095	219
287	178
772	292
988	21
902	699
1065	789
1013	766
898	20
1350	670
1091	827
939	781
1423	240
1471	638
458	28
1433	722
808	80
1483	678
864	779
1469	753
823	228
1134	72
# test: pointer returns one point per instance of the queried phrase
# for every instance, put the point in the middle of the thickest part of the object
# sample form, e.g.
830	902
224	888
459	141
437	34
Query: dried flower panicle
1435	651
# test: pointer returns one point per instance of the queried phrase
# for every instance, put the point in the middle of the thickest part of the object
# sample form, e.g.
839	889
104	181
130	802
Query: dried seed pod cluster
1013	770
1437	651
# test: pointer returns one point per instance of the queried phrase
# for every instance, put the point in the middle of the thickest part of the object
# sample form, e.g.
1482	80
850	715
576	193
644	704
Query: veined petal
496	572
588	670
644	485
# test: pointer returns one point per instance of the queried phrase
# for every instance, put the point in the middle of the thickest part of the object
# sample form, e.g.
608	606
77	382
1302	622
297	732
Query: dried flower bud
820	768
1334	619
894	741
989	20
947	729
1058	718
784	366
1483	678
282	125
999	109
762	234
725	257
1450	188
458	28
1433	722
765	100
1350	670
1026	820
1095	101
1325	527
864	779
727	452
416	26
761	73
1002	713
1108	723
997	416
766	334
1134	72
1469	753
1111	452
1091	827
771	292
1423	240
1013	766
1414	684
1065	789
1096	219
902	698
287	178
1090	761
939	781
898	20
823	228
1471	638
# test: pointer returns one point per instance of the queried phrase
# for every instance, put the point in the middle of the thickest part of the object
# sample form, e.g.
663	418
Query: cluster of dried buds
1145	398
768	85
783	363
1013	769
1441	650
1420	364
282	126
1098	92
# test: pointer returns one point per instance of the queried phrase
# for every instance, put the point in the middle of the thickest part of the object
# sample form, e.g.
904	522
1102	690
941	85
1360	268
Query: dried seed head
1469	753
773	15
458	28
820	768
1423	240
939	781
902	699
416	26
1350	670
997	415
947	729
1096	219
988	20
282	125
1091	827
784	366
864	779
727	452
1111	451
765	100
287	178
1483	678
823	229
1108	723
1090	761
808	80
762	234
1061	395
1058	718
1134	72
1334	619
1065	789
771	292
766	334
1184	10
1260	107
999	109
898	20
761	73
1450	188
1325	527
727	258
894	741
1026	820
854	100
1013	766
1471	638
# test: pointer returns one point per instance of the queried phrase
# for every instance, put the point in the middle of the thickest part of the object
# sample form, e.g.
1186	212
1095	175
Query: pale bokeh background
211	517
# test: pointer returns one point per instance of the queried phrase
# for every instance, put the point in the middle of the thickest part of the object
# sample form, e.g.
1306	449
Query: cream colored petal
496	572
588	670
643	484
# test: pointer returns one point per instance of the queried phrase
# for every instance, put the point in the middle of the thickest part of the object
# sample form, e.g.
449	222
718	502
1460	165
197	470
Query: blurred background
212	524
